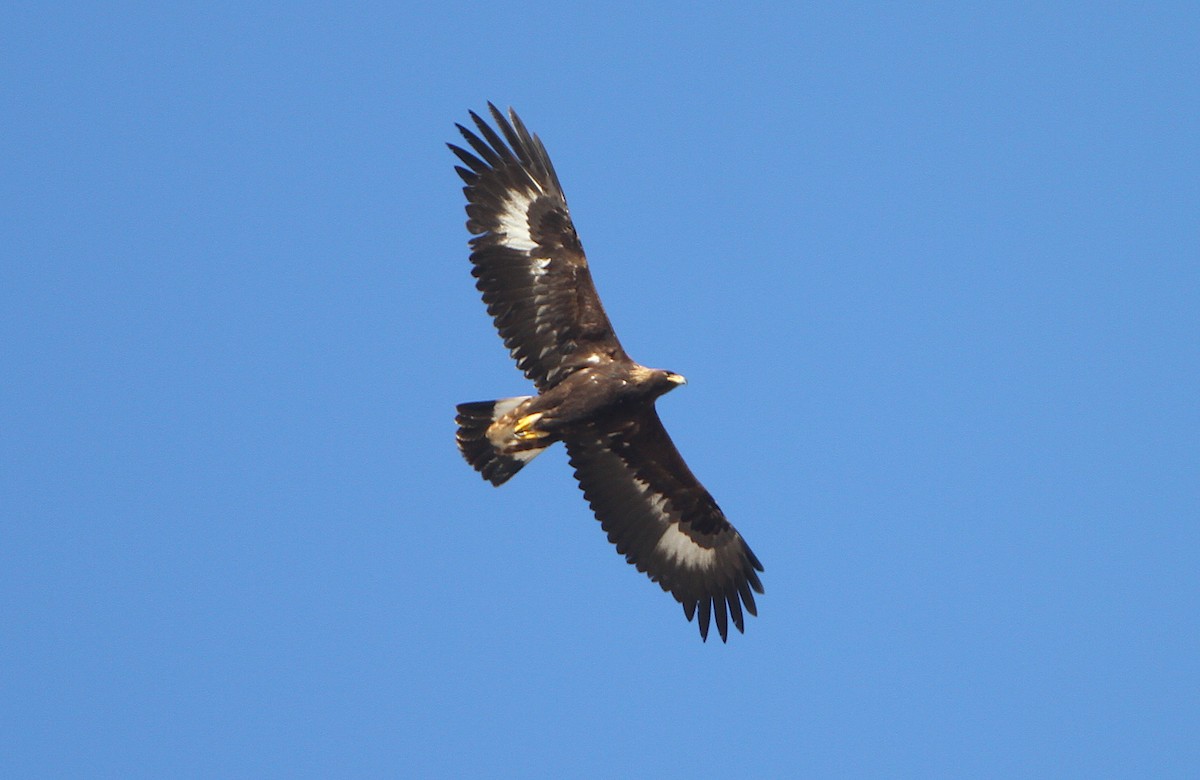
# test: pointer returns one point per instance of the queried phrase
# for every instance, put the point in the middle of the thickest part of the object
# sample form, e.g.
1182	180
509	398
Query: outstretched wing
530	265
662	519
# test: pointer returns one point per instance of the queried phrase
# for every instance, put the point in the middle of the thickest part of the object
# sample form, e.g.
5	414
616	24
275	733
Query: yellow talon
523	429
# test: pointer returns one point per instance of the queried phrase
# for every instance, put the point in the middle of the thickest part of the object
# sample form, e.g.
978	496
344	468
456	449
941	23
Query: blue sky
932	272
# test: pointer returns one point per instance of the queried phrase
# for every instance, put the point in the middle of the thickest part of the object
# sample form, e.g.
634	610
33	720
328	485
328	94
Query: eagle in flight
592	396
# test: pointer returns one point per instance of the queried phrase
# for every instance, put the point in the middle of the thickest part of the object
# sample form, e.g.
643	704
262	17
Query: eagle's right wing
530	265
662	519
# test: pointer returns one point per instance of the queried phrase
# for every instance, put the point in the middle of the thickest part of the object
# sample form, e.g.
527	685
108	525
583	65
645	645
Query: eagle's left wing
530	265
662	519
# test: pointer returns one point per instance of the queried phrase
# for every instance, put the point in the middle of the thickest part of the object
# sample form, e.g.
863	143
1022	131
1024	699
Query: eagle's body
600	403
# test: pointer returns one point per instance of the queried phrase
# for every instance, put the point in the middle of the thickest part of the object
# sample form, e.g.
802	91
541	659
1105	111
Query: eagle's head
666	381
654	382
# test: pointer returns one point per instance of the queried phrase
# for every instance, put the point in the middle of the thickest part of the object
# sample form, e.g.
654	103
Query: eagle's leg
523	429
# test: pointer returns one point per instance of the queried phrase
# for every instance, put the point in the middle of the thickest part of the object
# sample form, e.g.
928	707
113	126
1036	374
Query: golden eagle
592	397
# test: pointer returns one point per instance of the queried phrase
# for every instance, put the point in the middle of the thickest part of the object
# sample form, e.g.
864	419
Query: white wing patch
674	544
514	220
679	548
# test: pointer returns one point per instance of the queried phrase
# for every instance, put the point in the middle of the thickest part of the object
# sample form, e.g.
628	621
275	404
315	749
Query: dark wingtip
722	617
755	582
747	597
750	556
735	608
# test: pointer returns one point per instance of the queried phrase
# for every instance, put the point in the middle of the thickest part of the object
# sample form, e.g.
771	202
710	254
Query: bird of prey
592	396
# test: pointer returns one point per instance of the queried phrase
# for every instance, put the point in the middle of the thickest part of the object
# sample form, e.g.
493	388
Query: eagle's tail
488	437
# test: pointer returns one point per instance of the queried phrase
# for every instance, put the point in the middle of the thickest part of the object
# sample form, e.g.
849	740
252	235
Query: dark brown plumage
534	277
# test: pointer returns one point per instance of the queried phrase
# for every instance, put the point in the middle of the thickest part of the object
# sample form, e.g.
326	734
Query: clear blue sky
933	274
